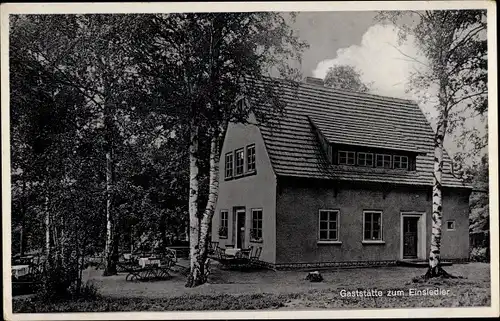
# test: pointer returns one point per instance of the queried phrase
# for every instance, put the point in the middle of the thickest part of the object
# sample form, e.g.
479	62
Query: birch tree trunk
437	202
47	227
194	221
108	250
435	268
109	264
199	261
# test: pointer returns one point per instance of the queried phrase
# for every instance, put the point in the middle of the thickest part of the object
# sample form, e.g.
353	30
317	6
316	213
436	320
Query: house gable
253	190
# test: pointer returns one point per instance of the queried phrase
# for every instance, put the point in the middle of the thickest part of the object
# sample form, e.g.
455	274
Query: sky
357	39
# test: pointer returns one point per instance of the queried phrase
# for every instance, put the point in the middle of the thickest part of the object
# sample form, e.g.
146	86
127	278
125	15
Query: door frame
237	212
421	234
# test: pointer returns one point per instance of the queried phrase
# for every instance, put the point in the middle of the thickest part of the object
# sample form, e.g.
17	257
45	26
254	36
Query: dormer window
384	160
365	159
347	158
400	162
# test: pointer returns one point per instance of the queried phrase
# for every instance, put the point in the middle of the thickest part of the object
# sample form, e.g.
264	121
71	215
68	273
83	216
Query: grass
181	303
234	290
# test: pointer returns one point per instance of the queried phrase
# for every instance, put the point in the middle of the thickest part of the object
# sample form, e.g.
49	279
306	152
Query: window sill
373	242
254	172
256	241
329	242
223	237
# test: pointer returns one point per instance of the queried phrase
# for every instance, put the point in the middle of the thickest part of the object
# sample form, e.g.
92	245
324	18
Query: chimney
314	81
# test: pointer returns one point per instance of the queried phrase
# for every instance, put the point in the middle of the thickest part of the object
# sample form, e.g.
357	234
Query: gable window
250	158
256	231
450	225
372	226
229	165
239	161
223	226
365	159
401	162
347	158
328	225
383	160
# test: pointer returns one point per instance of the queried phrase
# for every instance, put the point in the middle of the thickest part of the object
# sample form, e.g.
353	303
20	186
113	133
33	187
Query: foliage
479	218
59	66
480	254
345	78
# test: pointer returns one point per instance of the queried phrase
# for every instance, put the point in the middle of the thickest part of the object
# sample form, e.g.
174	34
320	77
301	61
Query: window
229	165
372	226
256	231
328	225
240	159
250	158
224	220
400	162
365	159
347	158
384	160
450	225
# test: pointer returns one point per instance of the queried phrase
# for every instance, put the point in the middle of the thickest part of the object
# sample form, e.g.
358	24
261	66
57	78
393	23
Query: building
344	179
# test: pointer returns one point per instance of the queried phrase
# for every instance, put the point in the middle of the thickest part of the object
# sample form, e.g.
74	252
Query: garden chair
254	257
163	270
223	259
212	246
245	253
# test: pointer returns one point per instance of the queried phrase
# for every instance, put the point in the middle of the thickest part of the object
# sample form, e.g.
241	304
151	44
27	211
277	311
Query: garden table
232	252
143	261
20	270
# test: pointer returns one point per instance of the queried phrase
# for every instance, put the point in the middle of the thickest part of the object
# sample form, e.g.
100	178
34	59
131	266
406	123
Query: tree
88	57
45	162
454	44
200	66
345	78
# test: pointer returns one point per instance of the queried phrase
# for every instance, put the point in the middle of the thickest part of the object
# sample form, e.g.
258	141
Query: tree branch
406	55
466	97
467	37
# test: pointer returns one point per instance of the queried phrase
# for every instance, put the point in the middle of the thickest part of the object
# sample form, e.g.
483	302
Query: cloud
379	61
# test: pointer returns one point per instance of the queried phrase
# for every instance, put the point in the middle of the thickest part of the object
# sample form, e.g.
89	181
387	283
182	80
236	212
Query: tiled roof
355	119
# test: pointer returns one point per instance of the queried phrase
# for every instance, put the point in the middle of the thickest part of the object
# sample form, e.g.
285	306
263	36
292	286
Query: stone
314	276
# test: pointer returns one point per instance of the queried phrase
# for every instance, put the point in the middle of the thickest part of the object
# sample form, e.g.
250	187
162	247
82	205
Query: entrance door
240	228
410	237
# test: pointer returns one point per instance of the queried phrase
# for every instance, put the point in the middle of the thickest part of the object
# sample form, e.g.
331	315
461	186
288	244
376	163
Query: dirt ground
476	275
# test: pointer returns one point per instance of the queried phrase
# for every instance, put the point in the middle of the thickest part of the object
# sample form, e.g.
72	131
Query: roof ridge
355	93
288	82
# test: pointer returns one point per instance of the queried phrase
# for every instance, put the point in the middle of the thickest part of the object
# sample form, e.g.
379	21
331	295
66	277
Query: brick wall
298	222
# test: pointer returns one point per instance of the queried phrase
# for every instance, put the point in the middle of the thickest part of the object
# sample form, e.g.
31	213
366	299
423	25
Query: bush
479	254
55	282
87	291
61	279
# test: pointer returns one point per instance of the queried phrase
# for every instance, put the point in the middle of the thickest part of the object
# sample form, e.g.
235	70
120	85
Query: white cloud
379	60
